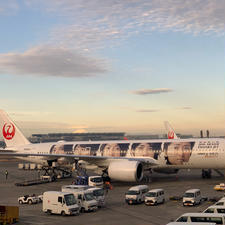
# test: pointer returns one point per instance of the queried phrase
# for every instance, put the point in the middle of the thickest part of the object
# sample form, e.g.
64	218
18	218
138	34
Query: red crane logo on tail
8	131
170	135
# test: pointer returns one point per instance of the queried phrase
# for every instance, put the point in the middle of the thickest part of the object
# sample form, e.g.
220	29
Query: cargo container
9	214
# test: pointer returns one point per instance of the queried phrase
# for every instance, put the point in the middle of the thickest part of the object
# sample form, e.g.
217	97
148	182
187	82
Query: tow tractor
28	199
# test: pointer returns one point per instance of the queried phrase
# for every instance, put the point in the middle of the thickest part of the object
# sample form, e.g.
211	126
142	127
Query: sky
113	66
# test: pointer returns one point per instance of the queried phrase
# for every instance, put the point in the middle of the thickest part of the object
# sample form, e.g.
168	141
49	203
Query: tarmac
116	211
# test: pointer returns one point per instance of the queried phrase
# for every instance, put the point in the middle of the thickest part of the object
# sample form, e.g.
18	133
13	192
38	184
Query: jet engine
125	170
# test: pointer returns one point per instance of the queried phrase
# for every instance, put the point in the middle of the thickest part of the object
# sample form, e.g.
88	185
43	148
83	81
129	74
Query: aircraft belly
34	159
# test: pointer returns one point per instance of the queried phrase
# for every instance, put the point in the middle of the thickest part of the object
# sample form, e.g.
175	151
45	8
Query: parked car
202	218
215	209
136	194
219	187
192	197
154	197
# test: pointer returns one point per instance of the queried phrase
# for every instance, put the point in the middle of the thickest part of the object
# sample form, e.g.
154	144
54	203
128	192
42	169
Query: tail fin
10	132
171	134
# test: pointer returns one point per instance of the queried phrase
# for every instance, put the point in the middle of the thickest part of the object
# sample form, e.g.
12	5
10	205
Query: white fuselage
174	153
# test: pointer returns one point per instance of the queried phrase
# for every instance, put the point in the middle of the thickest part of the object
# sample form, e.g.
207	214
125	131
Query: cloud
51	61
97	23
184	108
147	110
8	7
79	131
152	91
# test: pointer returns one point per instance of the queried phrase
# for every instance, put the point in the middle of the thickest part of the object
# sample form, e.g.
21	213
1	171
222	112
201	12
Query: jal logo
171	135
8	131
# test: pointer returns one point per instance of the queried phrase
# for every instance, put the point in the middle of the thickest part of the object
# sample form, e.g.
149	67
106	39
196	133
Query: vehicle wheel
20	202
49	212
163	201
63	213
29	202
82	210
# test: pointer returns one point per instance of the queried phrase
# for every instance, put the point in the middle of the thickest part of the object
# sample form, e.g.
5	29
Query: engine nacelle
166	170
125	170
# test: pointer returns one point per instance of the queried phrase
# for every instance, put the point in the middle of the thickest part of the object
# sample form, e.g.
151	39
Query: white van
85	199
192	197
202	218
60	203
189	223
215	209
99	195
96	181
221	202
154	197
136	194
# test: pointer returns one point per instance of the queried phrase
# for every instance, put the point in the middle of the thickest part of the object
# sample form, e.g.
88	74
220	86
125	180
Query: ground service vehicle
202	218
136	194
219	187
9	214
55	202
154	197
73	187
99	195
85	200
89	180
221	202
190	223
215	209
28	199
192	197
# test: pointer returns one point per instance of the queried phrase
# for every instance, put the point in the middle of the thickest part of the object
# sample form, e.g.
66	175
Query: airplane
121	160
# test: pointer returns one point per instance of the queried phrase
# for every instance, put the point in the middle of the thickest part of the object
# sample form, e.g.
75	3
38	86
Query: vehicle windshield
151	194
133	193
189	195
70	199
99	192
89	196
96	179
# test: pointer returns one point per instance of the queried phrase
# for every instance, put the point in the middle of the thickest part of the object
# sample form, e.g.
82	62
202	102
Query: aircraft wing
92	159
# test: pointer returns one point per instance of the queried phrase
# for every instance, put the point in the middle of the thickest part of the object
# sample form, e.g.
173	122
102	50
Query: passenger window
219	203
217	220
182	219
60	199
198	219
221	210
209	211
79	197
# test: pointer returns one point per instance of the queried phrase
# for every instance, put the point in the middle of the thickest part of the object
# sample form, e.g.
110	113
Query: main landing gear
206	174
